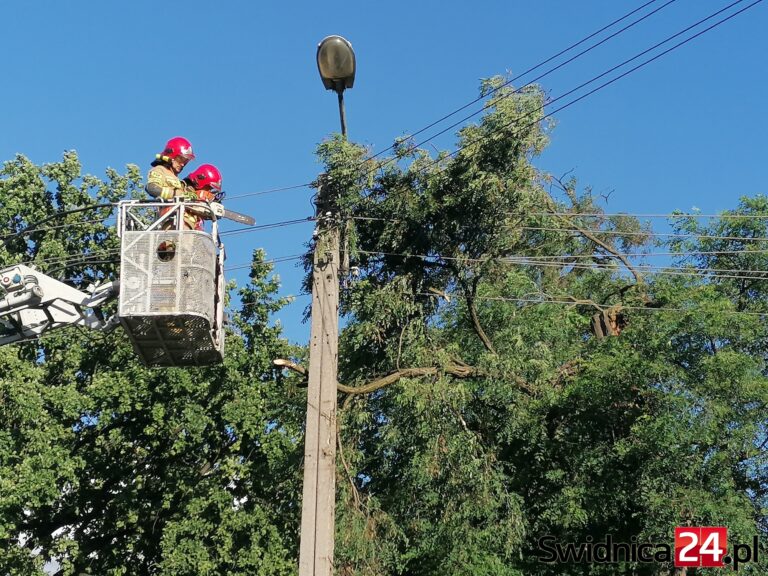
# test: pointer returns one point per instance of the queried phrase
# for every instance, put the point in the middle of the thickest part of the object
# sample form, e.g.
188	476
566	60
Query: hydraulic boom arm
32	303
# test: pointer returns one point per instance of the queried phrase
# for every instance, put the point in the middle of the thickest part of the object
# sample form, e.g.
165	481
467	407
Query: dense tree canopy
511	366
113	468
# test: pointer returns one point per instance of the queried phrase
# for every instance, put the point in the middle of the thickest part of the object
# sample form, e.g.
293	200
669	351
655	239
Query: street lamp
336	63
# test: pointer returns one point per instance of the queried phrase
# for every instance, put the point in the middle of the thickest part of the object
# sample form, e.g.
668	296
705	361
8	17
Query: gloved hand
217	209
188	193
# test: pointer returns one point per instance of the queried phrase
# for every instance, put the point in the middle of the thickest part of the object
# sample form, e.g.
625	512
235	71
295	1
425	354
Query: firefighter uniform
164	184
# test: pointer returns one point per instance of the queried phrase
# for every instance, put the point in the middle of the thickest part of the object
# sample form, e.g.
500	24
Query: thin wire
49	228
496	89
662	270
594	231
609	82
454	125
682	254
61	259
572	303
508	82
59	215
567	105
272	261
645	234
268	226
291	297
634	215
671	272
270	191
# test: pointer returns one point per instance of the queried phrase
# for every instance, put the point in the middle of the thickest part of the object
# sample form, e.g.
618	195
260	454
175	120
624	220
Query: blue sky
115	80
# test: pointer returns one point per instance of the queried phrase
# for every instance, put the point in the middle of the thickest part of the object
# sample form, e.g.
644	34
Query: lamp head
336	63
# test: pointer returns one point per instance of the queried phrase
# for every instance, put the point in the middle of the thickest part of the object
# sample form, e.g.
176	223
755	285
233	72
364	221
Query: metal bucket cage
171	285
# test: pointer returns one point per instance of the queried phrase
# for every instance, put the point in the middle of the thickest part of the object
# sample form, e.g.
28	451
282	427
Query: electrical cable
496	89
49	228
604	85
271	261
460	122
59	214
62	259
590	81
633	215
648	234
270	191
709	273
577	303
681	254
615	79
508	82
268	226
737	273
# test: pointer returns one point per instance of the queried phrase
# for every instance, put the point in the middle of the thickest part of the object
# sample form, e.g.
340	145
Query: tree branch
457	370
639	279
476	323
283	363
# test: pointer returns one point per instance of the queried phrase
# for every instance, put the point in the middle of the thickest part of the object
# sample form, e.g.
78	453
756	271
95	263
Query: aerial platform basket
171	285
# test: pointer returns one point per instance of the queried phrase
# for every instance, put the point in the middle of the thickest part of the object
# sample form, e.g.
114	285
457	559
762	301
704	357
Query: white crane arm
32	303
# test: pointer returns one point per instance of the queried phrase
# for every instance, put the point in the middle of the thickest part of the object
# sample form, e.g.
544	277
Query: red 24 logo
703	546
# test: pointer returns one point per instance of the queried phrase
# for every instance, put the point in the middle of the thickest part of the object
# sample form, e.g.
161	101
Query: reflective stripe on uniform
166	180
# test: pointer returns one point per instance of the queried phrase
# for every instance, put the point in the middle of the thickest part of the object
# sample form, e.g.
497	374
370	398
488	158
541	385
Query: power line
635	215
648	234
577	303
268	226
582	97
645	234
710	273
49	228
271	261
454	125
270	191
60	259
31	227
611	81
496	89
590	81
733	273
508	82
681	254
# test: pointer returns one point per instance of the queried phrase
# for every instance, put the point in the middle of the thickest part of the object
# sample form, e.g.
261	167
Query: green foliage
504	417
531	425
112	468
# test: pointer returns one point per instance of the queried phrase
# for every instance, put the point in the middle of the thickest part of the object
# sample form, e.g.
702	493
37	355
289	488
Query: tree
112	468
508	370
482	407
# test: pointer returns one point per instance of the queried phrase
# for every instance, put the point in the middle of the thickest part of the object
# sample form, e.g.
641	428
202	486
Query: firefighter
206	183
163	180
163	183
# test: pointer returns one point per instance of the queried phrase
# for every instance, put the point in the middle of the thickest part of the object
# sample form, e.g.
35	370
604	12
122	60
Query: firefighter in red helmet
163	180
206	183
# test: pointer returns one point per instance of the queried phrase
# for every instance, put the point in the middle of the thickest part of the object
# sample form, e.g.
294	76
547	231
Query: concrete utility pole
319	494
336	63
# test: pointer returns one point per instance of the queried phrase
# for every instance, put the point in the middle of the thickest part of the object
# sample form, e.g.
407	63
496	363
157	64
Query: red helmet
207	175
177	147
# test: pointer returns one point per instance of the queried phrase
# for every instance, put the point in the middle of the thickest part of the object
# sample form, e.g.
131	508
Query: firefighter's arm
190	194
207	212
159	187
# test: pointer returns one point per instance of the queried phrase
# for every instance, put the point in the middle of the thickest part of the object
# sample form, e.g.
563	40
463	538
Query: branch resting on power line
457	370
